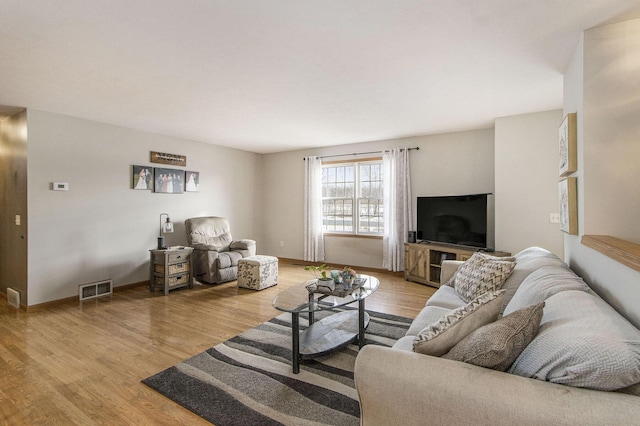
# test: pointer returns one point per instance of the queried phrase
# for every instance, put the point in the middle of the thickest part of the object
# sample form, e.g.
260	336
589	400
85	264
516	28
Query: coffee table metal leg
361	312
311	316
295	338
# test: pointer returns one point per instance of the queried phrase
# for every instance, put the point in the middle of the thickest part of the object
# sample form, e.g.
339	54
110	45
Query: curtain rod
360	153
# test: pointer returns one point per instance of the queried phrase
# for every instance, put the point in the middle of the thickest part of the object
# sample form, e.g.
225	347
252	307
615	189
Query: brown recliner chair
215	253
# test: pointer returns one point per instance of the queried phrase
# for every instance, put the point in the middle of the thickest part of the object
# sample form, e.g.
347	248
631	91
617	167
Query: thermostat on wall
60	186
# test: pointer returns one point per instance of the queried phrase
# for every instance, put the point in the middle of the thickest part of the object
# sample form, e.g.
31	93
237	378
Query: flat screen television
462	220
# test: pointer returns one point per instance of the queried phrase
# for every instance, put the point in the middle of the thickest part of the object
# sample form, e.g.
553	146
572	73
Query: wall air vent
13	297
97	289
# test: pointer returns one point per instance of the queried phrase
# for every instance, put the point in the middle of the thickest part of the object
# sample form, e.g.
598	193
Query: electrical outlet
281	243
554	217
60	186
18	220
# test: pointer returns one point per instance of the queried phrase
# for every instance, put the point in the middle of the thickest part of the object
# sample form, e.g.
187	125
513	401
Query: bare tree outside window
348	188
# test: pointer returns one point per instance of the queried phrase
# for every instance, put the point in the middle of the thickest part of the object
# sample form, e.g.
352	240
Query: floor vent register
97	289
13	297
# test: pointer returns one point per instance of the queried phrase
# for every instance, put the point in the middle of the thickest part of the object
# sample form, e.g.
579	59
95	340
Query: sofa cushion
426	317
404	344
527	261
631	390
480	274
498	344
438	338
582	342
446	297
542	284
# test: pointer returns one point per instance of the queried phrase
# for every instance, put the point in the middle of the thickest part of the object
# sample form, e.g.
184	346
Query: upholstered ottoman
257	272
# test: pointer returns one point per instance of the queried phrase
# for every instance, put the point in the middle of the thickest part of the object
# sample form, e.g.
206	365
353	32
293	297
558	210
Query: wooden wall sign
173	159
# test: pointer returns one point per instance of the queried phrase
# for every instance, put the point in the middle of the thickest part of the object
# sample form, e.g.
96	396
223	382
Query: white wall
101	228
611	130
447	164
526	174
573	102
602	85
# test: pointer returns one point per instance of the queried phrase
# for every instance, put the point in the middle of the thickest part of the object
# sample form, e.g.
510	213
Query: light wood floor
82	362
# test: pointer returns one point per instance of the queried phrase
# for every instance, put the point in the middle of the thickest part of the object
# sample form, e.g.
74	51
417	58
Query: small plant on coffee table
348	272
319	271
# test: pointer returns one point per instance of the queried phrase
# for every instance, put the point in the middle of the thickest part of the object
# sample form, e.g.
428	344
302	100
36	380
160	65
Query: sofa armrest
448	268
401	387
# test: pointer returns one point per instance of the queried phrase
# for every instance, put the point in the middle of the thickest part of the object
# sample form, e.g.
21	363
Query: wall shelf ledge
622	251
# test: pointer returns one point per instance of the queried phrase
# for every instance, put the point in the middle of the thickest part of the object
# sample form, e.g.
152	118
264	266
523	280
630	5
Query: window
352	197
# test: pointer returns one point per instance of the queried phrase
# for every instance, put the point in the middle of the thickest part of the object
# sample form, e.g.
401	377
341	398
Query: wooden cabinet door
416	268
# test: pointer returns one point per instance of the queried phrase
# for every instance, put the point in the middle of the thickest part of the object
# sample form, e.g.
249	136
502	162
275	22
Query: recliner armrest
242	244
205	247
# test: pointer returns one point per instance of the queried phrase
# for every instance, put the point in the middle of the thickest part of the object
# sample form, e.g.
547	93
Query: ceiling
278	75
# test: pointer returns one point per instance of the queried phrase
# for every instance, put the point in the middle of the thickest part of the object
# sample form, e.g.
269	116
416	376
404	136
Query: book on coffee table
339	290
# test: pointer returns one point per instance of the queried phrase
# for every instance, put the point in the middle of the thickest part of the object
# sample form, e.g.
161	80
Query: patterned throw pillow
452	281
480	274
438	338
497	345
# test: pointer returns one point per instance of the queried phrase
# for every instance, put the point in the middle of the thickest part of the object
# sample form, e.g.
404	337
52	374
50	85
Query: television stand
422	260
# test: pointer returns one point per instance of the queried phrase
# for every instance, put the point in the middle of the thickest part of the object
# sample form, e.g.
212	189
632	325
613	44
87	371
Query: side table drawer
173	269
179	279
178	257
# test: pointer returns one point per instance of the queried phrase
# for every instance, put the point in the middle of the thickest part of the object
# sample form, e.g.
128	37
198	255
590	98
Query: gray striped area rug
248	380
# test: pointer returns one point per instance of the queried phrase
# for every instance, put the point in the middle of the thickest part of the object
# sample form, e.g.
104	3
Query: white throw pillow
583	342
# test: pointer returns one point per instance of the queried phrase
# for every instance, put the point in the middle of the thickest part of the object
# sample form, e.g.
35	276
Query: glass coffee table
332	332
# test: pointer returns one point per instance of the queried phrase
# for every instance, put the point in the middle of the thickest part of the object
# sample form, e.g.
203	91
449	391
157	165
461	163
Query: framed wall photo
568	205
142	177
568	145
170	181
192	182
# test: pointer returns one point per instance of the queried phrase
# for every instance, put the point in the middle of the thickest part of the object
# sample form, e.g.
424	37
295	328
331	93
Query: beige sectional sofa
582	367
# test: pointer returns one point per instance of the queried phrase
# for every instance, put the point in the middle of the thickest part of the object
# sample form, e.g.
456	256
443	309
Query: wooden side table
170	268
